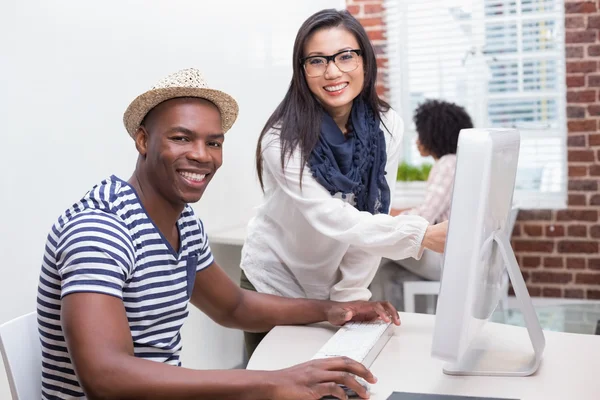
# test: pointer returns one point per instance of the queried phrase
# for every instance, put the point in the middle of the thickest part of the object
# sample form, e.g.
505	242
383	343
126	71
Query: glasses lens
315	66
347	61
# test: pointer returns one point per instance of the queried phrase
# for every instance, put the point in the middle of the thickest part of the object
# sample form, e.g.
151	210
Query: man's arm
99	343
229	305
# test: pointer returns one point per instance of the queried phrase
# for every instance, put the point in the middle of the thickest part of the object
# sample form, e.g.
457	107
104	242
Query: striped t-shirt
106	243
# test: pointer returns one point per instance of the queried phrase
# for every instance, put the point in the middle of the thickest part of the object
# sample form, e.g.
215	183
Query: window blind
504	61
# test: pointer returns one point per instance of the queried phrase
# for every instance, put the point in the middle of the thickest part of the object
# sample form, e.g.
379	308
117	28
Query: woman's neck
340	116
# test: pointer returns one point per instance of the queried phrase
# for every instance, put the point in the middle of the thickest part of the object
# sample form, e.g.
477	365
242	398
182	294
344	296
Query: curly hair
438	124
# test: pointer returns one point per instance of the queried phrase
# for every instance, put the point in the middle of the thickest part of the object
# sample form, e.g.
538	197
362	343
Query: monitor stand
481	358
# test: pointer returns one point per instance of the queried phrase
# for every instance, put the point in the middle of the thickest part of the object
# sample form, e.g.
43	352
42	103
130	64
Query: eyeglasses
345	61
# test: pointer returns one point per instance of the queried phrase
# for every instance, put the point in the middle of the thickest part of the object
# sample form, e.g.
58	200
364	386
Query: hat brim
137	110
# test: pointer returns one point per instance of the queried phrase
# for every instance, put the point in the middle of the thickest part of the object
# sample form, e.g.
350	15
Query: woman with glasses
326	160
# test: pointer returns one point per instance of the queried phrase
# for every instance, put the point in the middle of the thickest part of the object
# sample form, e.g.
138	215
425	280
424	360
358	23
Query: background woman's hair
298	116
438	124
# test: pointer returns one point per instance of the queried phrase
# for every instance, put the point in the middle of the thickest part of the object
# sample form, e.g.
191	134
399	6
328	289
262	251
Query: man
121	265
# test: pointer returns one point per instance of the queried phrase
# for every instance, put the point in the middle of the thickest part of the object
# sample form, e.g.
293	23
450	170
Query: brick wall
558	250
370	15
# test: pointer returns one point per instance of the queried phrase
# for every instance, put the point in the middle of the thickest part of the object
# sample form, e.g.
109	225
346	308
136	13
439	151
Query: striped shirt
106	243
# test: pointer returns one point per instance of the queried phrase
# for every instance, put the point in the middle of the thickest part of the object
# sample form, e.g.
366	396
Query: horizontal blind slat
505	54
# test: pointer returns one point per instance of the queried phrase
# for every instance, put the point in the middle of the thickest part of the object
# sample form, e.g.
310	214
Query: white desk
570	366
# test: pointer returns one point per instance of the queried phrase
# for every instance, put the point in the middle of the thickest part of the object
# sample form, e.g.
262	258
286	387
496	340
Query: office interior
69	69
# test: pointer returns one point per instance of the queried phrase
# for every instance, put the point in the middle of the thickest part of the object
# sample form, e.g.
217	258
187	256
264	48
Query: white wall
68	70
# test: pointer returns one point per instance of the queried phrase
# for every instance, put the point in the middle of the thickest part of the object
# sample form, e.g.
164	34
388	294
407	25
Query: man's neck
163	213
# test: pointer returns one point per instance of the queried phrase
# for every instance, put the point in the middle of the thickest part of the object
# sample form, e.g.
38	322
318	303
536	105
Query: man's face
181	145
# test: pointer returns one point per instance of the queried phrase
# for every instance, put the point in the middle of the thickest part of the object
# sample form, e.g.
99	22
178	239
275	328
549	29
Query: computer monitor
477	256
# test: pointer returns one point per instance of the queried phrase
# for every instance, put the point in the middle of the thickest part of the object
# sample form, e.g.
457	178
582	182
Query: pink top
436	207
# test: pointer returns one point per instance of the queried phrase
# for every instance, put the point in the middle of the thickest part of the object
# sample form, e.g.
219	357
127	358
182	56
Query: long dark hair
298	116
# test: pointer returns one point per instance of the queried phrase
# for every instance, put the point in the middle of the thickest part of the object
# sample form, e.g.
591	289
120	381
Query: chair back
22	356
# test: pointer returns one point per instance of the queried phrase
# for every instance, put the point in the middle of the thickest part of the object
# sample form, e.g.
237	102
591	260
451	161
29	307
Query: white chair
22	355
432	288
413	288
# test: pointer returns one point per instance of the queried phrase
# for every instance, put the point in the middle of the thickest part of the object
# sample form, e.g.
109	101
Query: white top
569	368
304	242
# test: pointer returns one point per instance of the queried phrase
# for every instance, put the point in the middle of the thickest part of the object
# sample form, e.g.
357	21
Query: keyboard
360	341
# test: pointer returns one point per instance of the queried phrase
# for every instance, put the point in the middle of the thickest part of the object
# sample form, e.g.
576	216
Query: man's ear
141	141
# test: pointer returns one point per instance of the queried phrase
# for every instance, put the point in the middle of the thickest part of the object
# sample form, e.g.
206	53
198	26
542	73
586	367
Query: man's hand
318	378
340	313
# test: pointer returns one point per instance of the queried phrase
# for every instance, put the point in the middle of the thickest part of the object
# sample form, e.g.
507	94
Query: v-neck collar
172	251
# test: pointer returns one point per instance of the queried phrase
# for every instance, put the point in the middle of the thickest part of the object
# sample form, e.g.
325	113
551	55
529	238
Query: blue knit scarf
353	163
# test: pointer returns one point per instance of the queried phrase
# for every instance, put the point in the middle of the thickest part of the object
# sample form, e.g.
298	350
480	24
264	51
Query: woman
438	124
326	160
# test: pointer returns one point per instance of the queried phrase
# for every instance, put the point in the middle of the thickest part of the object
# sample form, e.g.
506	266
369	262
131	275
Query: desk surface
563	315
570	366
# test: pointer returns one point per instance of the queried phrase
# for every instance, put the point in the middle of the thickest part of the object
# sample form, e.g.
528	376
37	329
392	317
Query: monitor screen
473	266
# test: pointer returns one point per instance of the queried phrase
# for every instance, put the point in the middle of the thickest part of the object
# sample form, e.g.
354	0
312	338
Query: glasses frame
330	58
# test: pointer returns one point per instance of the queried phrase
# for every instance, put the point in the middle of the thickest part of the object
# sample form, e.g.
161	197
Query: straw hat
184	83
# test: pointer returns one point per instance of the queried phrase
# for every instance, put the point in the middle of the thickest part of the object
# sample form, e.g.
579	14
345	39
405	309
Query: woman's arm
382	235
399	237
398	211
357	270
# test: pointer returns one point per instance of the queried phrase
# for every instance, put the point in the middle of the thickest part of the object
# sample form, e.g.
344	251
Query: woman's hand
397	211
435	237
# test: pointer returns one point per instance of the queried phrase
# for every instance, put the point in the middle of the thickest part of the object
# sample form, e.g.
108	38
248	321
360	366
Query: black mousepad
424	396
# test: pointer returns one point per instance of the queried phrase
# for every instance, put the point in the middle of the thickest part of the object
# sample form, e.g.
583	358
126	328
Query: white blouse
304	242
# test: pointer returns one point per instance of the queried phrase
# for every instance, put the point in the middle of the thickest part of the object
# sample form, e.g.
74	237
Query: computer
477	257
478	254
